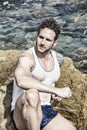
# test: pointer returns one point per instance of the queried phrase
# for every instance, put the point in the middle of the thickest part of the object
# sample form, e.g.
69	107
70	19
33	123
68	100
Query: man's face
45	40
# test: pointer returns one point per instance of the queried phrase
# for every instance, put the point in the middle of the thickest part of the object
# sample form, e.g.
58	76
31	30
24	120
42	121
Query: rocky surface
8	60
74	109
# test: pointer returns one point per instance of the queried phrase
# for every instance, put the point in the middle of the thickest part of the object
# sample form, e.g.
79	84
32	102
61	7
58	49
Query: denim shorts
48	115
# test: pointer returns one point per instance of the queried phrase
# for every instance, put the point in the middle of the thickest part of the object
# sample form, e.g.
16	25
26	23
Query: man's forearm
31	83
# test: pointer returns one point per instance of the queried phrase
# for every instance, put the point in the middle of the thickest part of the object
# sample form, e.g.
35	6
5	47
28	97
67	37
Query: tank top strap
54	55
35	56
34	53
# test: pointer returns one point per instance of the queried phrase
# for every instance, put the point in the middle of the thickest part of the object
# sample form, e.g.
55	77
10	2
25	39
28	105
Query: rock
81	59
8	61
74	109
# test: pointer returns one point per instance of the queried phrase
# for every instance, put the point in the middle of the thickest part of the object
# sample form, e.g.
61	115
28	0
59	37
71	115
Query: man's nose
43	42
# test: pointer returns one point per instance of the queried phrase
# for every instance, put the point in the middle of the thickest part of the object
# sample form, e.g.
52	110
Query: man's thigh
59	123
17	115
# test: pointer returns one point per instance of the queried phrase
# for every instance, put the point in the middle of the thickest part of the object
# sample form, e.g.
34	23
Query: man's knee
32	97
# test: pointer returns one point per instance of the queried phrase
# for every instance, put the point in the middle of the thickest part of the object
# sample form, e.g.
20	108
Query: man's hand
63	92
56	98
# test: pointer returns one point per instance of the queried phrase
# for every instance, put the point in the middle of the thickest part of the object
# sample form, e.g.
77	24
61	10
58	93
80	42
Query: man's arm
26	81
23	75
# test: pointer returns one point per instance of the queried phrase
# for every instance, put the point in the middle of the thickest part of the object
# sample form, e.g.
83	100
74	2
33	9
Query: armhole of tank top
55	58
34	55
53	54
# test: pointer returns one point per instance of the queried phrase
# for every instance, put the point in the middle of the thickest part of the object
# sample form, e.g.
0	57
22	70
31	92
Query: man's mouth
42	47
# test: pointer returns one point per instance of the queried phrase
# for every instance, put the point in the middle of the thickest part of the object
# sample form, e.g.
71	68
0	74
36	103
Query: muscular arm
26	81
24	78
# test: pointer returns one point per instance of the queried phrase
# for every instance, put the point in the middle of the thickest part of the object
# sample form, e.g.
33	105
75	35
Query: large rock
8	60
74	109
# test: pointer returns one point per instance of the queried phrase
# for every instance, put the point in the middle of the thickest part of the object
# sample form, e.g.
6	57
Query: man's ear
55	43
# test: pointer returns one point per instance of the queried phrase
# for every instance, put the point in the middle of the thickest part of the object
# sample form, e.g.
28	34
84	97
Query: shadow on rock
7	106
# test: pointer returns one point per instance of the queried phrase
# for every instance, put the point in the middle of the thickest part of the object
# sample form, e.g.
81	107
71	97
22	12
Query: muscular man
35	76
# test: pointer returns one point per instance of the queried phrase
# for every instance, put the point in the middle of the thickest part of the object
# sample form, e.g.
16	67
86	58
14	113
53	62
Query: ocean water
19	21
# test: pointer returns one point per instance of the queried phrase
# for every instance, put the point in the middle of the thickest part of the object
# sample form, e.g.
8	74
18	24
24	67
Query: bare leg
59	123
27	113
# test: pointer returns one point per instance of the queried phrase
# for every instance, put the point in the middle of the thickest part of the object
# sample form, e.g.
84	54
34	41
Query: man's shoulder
60	57
27	53
27	58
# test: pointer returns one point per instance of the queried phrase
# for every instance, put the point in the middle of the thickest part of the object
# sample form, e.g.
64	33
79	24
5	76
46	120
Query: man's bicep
23	67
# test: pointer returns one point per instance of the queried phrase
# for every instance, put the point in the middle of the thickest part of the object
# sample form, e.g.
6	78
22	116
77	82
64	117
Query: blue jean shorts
48	115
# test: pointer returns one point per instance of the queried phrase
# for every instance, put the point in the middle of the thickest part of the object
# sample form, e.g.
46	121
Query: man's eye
48	39
41	37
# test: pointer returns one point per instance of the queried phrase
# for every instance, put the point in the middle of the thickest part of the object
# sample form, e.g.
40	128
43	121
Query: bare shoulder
60	58
26	59
27	53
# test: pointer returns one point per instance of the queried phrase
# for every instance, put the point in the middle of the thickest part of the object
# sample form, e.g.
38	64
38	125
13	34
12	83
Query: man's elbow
18	80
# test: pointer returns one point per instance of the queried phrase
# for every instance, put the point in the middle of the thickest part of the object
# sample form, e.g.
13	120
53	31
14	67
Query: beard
41	49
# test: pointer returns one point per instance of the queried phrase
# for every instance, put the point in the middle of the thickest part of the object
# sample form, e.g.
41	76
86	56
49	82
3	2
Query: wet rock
80	57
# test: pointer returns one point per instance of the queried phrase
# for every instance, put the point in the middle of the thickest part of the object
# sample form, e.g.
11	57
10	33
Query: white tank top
46	77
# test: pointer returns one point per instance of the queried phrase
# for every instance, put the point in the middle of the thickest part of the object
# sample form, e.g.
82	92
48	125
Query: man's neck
45	55
46	60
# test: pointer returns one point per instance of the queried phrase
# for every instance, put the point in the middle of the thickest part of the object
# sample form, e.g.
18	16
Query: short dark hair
51	24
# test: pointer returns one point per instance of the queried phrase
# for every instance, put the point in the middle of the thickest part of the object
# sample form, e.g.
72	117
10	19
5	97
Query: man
35	76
